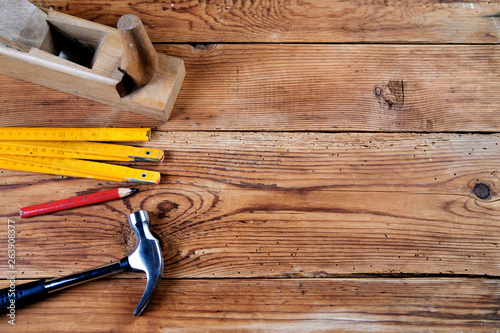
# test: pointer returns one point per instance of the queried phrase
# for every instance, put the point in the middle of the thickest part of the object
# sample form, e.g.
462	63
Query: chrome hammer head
146	257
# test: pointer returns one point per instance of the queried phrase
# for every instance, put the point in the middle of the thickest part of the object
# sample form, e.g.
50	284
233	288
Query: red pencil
79	201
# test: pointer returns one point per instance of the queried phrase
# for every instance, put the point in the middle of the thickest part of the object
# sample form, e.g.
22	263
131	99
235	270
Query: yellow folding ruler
20	149
74	134
81	150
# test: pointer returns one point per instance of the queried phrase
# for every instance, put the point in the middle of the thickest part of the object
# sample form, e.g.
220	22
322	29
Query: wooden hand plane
114	66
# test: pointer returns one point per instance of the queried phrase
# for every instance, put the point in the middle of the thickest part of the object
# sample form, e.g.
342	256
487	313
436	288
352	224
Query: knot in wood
482	191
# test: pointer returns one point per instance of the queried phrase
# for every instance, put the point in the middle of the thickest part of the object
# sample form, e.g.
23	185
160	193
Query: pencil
79	201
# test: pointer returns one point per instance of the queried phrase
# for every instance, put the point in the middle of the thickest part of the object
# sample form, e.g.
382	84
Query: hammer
146	257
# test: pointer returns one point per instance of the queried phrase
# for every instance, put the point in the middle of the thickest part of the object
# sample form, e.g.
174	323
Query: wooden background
320	165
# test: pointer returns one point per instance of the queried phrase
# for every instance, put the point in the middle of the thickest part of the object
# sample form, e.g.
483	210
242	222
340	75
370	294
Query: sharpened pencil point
125	192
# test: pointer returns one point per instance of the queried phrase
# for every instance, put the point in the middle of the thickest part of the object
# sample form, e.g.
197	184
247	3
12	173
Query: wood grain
441	163
301	88
284	205
264	305
321	173
293	21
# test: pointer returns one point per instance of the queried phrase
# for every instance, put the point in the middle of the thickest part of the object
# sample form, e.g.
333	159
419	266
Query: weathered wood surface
293	21
296	192
284	204
282	305
300	88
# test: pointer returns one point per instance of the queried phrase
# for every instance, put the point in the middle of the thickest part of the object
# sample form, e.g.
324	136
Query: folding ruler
71	152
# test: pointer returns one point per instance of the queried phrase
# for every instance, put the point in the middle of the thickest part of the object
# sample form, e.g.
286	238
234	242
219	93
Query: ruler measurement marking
75	134
68	152
78	167
84	150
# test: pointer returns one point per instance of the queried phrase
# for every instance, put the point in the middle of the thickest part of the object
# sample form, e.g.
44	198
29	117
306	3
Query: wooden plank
293	21
268	234
283	205
263	305
301	87
448	164
441	163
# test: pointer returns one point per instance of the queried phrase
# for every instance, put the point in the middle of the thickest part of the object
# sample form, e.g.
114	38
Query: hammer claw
146	257
152	286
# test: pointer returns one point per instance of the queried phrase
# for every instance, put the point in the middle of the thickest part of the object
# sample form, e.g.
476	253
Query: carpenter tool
75	202
68	151
74	134
81	150
118	67
78	168
146	257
